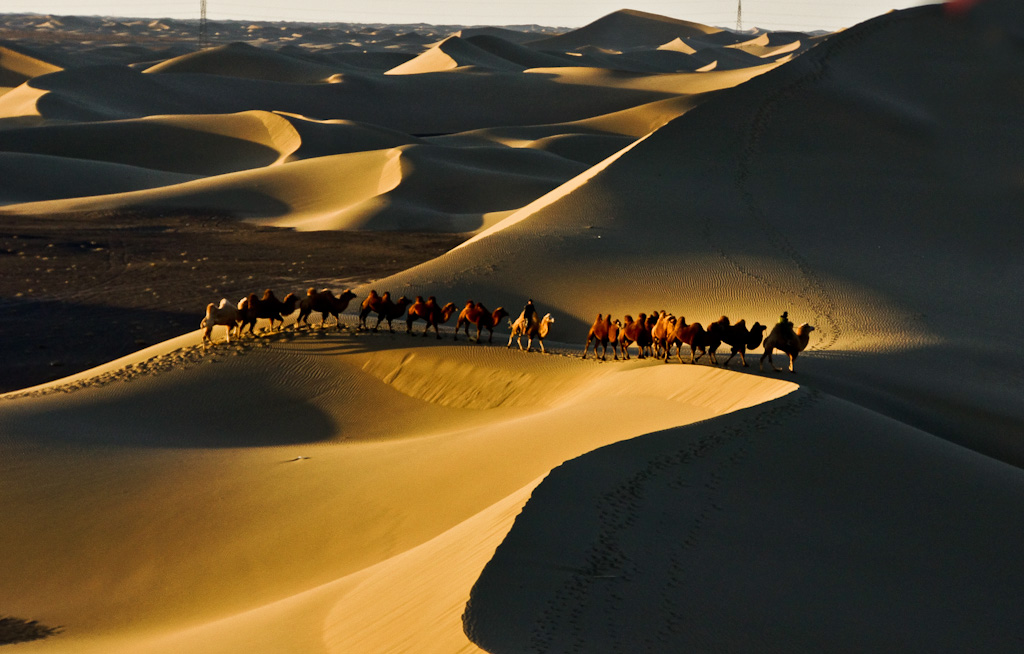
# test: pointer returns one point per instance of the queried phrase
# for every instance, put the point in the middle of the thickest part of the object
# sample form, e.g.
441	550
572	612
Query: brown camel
784	339
326	304
598	335
253	307
635	331
370	305
429	312
388	310
477	314
695	337
737	337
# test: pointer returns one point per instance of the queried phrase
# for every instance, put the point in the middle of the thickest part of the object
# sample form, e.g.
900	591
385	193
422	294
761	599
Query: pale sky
769	14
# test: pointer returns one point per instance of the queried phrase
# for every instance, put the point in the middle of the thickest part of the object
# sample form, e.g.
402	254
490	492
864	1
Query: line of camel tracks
653	335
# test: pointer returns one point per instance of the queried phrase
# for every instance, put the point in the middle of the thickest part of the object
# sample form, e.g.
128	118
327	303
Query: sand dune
243	60
16	68
409	187
451	53
324	491
627	28
196	145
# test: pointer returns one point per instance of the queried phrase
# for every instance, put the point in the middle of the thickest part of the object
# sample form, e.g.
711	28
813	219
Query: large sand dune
326	491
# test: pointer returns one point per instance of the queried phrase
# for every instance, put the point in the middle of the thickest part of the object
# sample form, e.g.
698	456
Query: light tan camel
784	339
530	329
225	314
659	333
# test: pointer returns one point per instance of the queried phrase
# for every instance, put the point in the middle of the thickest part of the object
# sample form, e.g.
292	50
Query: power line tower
203	37
739	15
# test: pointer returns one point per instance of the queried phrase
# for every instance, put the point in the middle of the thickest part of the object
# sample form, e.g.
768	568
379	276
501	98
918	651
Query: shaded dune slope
773	184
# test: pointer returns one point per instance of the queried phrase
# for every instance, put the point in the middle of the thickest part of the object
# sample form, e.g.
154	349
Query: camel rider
784	319
529	312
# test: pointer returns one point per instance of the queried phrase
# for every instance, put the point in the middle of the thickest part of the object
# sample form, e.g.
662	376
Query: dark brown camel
326	303
429	312
388	310
737	337
253	307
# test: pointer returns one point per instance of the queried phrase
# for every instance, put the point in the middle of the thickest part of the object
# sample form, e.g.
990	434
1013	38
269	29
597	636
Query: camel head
545	324
803	333
756	335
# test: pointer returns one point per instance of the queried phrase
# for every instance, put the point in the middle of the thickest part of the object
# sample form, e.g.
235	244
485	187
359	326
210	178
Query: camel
599	335
326	303
388	310
252	308
784	339
478	315
225	314
664	326
371	304
737	337
530	329
429	312
635	331
696	338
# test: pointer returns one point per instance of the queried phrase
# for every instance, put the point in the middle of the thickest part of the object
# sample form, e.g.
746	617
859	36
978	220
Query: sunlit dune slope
16	67
311	471
410	187
451	53
195	144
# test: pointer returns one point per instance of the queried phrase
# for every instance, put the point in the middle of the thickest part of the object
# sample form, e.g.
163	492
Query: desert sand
327	490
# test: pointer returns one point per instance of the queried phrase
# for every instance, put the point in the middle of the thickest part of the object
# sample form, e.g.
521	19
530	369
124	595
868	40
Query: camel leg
743	358
585	349
792	361
542	350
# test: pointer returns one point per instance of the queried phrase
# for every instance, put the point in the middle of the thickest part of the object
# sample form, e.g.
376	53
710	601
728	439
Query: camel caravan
244	315
653	335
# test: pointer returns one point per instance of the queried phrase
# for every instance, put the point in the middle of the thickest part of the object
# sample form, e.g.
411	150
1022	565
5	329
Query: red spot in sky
960	7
